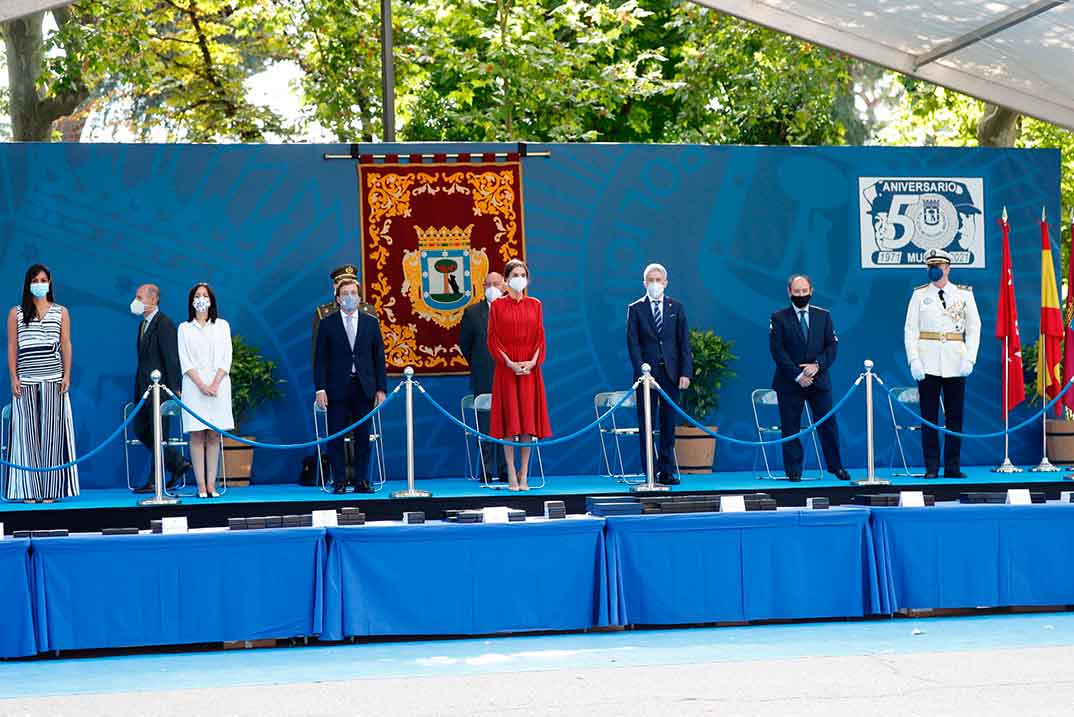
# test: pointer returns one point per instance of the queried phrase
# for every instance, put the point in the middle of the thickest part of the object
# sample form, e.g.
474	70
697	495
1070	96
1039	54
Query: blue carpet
744	481
234	668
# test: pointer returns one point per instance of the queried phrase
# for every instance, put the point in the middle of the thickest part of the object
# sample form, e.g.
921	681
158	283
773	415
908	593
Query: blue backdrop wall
264	224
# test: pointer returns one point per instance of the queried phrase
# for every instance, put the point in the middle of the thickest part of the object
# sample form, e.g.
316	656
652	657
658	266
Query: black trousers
495	464
663	417
954	396
343	411
791	404
143	431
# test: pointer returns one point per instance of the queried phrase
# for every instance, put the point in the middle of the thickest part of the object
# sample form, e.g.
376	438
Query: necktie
145	325
350	330
944	303
803	323
658	317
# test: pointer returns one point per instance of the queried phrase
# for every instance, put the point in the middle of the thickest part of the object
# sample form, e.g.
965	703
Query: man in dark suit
473	342
350	378
658	334
158	350
803	345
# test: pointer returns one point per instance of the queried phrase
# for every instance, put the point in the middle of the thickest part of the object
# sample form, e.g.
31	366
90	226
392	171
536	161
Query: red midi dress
519	407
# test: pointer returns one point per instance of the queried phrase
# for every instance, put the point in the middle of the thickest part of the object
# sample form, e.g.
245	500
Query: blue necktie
803	324
658	317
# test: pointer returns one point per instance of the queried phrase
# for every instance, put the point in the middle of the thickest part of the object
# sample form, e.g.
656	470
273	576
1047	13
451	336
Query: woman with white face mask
205	361
39	364
516	343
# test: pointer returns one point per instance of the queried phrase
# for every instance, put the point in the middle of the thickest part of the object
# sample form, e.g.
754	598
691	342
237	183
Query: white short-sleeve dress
206	349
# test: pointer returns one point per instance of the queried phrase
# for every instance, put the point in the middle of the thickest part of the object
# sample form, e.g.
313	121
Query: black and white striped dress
42	431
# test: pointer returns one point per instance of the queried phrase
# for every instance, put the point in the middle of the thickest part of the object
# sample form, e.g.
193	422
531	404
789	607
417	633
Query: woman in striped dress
39	362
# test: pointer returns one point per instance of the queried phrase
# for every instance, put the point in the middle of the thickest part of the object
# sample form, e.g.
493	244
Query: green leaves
712	357
253	380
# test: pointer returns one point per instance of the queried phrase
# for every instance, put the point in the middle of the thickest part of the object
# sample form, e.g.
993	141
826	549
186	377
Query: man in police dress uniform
942	333
347	271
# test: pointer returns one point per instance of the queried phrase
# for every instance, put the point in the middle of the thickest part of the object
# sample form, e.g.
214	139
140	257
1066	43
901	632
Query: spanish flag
1050	350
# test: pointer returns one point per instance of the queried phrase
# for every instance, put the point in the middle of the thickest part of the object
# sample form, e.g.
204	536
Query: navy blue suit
351	378
668	353
790	348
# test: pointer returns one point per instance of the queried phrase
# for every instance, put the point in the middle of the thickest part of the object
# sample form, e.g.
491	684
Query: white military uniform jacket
926	314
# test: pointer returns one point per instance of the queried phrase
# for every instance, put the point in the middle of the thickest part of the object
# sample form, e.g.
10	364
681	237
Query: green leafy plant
253	379
712	356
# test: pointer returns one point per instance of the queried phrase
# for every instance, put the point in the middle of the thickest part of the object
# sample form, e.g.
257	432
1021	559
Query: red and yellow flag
1050	352
1068	317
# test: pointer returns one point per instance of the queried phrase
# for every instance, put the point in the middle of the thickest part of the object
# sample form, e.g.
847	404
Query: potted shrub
696	449
253	382
1058	432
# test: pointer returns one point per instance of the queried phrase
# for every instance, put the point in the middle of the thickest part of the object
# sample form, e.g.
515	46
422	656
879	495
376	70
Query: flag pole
1045	465
1006	466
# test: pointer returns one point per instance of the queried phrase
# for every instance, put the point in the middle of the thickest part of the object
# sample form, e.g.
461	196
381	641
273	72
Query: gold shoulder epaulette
964	287
923	286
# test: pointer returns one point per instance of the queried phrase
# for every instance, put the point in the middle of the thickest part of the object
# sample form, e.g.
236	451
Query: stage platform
115	508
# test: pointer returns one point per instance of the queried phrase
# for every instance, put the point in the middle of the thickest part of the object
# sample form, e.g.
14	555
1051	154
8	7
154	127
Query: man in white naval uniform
942	333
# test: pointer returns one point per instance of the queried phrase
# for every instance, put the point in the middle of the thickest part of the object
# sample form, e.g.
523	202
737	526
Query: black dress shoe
339	488
932	474
667	479
954	474
363	487
794	477
147	488
841	474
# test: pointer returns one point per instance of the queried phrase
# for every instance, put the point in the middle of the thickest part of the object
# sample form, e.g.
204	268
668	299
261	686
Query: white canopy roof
11	9
1018	54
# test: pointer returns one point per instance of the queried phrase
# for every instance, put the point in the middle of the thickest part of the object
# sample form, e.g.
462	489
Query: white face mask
655	290
201	304
348	302
492	293
137	307
40	290
518	283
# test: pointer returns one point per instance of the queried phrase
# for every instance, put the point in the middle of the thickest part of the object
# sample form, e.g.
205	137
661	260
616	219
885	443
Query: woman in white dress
205	360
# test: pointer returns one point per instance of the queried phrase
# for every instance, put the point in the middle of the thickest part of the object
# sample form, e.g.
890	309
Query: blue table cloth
964	556
115	591
447	579
729	567
16	605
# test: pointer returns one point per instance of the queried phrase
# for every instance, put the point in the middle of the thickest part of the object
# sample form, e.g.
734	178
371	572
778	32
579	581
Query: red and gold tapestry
430	235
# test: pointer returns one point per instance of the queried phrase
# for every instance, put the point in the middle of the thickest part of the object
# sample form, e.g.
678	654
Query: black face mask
800	302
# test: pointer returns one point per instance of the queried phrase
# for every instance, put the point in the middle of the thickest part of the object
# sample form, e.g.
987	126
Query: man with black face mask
942	333
803	345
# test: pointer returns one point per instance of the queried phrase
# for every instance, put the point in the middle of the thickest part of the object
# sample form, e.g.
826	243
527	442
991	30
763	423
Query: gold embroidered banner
430	235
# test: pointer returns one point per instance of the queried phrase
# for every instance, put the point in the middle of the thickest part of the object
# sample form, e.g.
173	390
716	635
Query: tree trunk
24	42
998	127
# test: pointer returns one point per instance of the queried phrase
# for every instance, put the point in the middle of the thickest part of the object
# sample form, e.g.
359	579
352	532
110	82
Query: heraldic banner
430	235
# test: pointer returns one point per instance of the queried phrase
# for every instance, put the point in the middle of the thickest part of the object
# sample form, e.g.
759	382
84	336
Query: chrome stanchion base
412	493
163	500
1006	467
871	481
646	488
1045	466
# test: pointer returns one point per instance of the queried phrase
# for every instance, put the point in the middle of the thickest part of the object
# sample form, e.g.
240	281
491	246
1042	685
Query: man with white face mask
158	350
658	334
473	342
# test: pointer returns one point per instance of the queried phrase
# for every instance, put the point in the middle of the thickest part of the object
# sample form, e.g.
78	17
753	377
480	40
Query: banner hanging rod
522	151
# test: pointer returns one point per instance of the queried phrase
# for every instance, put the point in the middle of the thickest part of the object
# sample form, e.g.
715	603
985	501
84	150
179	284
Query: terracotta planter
238	462
1060	438
695	449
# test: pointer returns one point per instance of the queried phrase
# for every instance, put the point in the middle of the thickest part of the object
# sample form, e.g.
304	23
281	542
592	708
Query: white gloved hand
966	368
917	370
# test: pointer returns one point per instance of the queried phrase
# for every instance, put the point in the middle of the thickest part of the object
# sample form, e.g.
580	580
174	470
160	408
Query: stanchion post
1045	465
158	448
650	483
1006	466
870	446
411	491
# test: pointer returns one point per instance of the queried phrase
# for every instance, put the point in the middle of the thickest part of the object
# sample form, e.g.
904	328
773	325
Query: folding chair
766	398
5	449
908	396
483	402
170	409
466	406
376	437
602	402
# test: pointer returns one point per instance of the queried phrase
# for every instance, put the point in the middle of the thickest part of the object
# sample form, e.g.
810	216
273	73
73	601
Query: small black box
119	531
273	521
413	517
236	523
255	523
819	503
22	534
156	526
56	533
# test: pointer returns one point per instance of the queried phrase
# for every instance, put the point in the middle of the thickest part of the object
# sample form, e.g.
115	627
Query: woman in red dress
516	343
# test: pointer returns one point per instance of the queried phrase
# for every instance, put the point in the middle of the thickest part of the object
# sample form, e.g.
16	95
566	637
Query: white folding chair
483	402
908	396
376	438
177	439
604	401
466	407
766	399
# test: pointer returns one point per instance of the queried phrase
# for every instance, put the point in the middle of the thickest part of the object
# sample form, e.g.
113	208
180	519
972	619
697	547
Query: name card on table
911	499
732	504
2	536
325	519
1065	496
173	525
1019	496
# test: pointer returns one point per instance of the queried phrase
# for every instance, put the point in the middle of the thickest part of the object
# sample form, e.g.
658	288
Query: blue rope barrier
994	434
87	456
287	446
520	444
738	441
